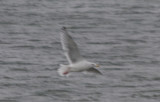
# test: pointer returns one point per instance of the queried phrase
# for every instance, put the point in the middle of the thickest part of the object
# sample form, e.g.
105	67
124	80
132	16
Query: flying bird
76	62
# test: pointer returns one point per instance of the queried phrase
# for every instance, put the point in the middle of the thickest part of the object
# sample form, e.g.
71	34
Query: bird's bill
97	65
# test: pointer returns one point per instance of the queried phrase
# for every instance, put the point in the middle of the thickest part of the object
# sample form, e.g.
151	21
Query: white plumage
76	62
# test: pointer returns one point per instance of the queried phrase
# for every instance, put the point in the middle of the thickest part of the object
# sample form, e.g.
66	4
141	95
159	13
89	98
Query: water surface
122	36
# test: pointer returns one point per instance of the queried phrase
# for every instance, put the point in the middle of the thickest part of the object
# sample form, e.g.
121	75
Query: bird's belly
78	68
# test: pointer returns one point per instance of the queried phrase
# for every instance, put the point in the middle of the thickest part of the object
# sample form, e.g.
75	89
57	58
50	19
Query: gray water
123	36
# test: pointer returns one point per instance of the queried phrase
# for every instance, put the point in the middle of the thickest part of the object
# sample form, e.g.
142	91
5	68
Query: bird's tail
63	70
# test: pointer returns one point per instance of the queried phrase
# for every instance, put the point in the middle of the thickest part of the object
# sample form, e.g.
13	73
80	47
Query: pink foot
65	73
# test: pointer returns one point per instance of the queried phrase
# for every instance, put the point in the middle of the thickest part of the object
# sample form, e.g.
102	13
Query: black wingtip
64	28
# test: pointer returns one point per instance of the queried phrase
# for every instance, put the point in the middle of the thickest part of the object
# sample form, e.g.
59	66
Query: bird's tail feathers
63	70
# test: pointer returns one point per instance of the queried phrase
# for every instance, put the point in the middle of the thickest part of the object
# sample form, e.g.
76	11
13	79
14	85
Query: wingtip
64	28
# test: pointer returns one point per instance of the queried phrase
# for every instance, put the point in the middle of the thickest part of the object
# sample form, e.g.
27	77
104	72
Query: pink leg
65	72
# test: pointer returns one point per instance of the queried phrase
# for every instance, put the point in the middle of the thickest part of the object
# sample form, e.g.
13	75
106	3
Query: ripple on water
122	36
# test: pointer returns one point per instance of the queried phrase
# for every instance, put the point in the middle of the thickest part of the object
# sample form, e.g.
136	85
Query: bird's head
95	65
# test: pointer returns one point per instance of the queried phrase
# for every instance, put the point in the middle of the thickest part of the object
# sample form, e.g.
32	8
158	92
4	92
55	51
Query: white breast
80	66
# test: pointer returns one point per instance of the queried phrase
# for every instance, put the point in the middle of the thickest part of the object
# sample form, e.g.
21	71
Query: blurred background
123	36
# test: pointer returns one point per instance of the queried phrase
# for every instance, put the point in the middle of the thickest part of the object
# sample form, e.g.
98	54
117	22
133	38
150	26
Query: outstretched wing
70	48
93	70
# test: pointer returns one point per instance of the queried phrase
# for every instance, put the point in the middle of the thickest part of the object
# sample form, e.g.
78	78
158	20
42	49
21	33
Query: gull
76	62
